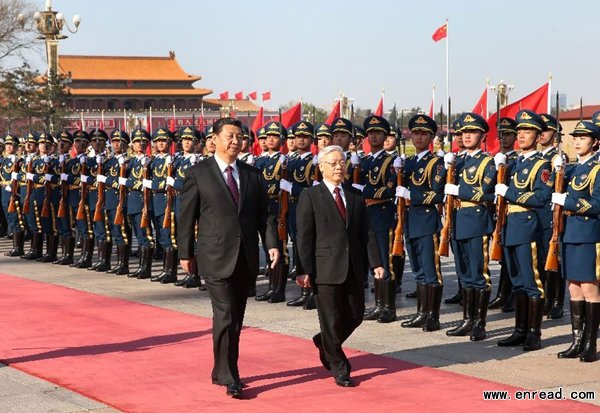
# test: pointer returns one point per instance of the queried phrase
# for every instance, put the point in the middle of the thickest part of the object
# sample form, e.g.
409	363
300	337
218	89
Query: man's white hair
329	149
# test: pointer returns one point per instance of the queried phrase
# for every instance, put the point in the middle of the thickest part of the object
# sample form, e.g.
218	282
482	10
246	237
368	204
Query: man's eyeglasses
341	164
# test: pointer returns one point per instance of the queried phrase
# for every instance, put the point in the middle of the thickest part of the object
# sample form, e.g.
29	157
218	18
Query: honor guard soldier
378	188
159	168
323	135
136	207
262	143
596	121
359	137
529	188
271	175
188	136
10	192
210	147
555	284
290	142
64	222
245	154
47	194
260	164
472	225
3	221
342	136
96	166
580	240
33	181
504	297
301	175
391	143
425	179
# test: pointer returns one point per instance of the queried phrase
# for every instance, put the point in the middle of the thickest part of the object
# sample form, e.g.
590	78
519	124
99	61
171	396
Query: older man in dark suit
334	246
225	196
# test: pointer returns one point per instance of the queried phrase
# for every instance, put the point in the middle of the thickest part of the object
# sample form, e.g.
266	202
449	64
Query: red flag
256	125
252	95
239	95
291	116
266	96
172	125
431	110
224	96
379	110
440	33
481	105
536	101
335	113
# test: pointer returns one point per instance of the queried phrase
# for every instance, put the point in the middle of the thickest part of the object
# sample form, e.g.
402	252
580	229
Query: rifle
98	215
170	196
398	245
283	197
356	171
64	187
84	192
48	198
145	220
444	249
29	187
557	212
496	250
119	216
12	205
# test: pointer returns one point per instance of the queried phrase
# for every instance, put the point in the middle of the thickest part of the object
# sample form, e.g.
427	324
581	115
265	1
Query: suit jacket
223	227
326	243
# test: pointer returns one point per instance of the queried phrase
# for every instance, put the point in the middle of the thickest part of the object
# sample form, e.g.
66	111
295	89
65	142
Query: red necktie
232	185
339	202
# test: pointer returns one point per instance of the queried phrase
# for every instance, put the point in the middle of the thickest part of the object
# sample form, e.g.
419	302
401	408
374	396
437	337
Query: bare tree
17	29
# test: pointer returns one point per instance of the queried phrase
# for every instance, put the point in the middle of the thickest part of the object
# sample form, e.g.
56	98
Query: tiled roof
140	92
243	105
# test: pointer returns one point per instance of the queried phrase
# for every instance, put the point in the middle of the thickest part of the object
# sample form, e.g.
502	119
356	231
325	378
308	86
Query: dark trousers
340	309
228	297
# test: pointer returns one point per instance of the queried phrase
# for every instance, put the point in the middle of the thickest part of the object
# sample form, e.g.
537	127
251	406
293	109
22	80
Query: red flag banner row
240	95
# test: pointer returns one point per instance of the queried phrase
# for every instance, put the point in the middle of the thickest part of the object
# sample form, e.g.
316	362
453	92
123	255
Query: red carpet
139	358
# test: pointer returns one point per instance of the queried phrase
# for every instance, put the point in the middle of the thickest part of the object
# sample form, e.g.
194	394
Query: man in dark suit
334	246
227	200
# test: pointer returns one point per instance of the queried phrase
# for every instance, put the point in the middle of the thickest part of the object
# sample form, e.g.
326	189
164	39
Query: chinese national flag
256	125
266	96
291	116
239	95
536	101
481	106
252	95
440	33
335	113
224	96
379	110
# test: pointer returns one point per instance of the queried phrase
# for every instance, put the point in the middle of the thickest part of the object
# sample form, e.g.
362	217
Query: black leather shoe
318	344
344	380
412	295
234	390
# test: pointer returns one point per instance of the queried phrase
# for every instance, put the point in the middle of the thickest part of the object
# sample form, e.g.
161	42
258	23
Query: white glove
398	162
193	160
84	178
282	159
8	188
99	159
250	160
61	158
354	160
46	159
64	177
359	187
12	158
448	159
285	185
82	159
168	159
29	176
500	190
147	183
121	160
451	189
499	159
558	163
316	160
440	153
315	183
91	152
122	181
101	178
559	199
402	192
14	176
145	161
28	158
170	181
47	177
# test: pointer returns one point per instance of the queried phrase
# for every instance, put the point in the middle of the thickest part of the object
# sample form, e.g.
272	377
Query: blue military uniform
14	219
64	223
32	217
49	191
529	188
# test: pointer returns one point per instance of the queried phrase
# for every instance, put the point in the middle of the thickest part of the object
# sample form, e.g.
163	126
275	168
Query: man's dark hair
220	123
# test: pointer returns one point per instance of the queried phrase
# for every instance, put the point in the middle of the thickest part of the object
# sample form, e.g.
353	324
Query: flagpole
447	74
549	93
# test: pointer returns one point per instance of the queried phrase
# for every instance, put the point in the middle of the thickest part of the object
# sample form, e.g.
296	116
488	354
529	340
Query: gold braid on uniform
528	182
381	174
269	177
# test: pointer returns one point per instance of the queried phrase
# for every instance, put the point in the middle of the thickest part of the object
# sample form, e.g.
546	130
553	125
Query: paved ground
539	370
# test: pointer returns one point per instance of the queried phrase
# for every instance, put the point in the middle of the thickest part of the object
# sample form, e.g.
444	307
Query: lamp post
502	90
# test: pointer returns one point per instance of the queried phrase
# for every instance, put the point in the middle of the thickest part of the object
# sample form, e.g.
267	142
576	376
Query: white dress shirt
223	165
330	186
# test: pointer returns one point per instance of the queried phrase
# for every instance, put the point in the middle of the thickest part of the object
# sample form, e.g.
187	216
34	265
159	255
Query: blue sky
315	49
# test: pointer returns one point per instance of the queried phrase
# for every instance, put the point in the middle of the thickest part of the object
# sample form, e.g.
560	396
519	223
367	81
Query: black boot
388	314
140	260
104	253
164	272
147	254
434	302
301	299
592	318
69	245
265	297
51	249
35	252
398	269
418	320
457	298
18	243
468	295
122	267
310	304
375	312
120	254
549	291
482	300
502	293
172	265
280	283
557	306
534	324
577	326
87	253
63	249
520	333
